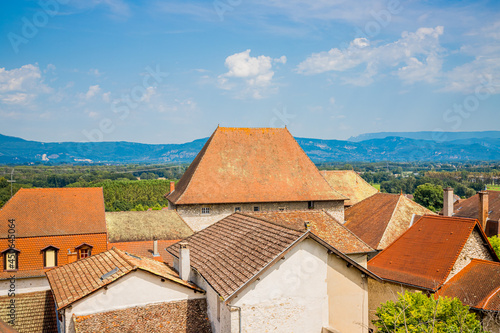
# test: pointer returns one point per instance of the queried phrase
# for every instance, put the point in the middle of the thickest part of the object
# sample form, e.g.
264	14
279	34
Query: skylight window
108	274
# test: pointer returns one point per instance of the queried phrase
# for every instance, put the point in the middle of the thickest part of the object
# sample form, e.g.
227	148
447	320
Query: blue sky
171	71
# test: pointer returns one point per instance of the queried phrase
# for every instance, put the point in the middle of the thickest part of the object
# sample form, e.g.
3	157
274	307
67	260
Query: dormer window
50	256
84	251
11	259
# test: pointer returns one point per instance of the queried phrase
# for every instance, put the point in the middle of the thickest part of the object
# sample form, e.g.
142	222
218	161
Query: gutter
239	314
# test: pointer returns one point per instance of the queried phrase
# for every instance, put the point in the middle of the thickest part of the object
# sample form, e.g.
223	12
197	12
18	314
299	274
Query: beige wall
197	221
347	297
381	292
23	286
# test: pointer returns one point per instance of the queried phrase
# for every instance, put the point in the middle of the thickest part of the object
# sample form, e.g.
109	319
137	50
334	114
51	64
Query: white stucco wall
291	296
23	286
138	288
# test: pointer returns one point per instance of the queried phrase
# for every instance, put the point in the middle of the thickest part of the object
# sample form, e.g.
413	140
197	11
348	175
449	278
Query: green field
494	187
377	186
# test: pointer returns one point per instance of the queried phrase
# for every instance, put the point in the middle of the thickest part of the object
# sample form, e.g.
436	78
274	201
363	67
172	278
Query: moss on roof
141	226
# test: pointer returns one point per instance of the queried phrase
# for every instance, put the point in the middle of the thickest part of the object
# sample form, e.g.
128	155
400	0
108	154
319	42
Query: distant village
254	239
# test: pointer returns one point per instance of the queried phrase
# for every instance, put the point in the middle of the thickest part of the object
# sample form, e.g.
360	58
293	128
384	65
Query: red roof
322	224
476	285
239	165
470	207
145	249
54	211
382	218
425	254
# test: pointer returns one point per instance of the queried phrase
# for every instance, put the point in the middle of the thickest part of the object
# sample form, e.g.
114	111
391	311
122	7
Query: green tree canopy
430	196
415	312
495	243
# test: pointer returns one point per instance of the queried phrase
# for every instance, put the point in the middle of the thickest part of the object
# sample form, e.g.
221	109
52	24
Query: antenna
11	181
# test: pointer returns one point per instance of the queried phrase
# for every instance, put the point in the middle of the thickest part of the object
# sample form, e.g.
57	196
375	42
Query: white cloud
255	72
93	90
416	56
21	85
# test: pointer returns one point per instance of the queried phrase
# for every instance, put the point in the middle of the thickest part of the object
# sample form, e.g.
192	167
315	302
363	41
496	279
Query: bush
414	312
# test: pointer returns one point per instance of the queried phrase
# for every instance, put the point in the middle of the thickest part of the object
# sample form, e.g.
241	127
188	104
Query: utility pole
11	181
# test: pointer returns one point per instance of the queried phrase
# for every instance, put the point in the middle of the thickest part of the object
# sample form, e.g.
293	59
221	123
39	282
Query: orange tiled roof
31	256
322	225
145	249
239	165
74	281
470	207
382	218
234	251
425	254
35	312
54	211
350	184
476	285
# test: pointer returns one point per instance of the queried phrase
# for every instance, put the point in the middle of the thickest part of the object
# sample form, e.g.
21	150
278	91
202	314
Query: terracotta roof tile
35	312
476	285
239	165
76	280
425	254
470	207
322	225
382	218
145	249
350	184
54	211
141	226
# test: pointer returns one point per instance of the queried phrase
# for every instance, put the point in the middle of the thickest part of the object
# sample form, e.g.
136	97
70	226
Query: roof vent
133	256
108	274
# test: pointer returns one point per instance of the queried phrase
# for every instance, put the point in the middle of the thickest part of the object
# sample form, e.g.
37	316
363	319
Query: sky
172	71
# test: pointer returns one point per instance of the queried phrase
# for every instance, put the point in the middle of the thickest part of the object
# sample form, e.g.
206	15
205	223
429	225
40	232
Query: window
281	209
237	209
84	251
11	259
256	208
310	204
50	256
205	210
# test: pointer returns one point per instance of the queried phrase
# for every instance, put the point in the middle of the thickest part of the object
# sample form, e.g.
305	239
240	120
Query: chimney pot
448	201
172	187
483	208
184	261
155	248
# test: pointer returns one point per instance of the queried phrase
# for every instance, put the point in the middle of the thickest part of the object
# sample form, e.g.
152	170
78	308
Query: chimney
483	208
172	187
155	248
184	261
448	201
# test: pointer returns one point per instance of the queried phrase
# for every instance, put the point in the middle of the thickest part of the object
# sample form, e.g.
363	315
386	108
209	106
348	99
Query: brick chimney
155	248
483	208
184	261
448	201
172	187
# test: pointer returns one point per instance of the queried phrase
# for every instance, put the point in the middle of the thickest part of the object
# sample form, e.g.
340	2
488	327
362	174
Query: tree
415	312
430	196
495	243
3	182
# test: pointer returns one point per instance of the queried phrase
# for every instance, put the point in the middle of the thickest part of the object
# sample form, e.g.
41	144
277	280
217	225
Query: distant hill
393	148
428	135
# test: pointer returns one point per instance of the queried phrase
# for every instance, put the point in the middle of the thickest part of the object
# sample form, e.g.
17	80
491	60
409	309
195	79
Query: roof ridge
343	226
122	255
270	222
204	150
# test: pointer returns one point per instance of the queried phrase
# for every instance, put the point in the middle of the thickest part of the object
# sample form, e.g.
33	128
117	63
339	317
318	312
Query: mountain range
467	146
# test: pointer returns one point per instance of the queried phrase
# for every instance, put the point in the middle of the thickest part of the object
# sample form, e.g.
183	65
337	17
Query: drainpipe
239	315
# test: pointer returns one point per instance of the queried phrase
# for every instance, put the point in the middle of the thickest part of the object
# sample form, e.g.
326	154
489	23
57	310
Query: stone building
251	170
426	257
